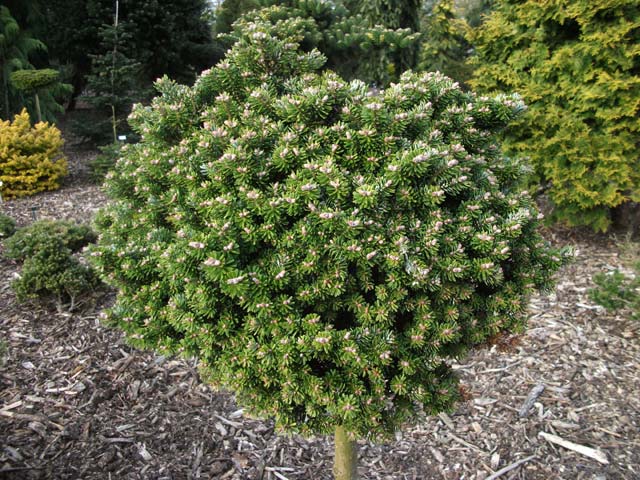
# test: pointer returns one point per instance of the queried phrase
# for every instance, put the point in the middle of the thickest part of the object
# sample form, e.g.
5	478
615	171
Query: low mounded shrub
31	158
53	272
49	268
7	226
28	240
617	291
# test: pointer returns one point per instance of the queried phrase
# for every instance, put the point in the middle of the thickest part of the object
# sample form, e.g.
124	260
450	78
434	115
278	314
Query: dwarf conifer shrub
321	248
31	158
27	241
616	290
7	226
50	271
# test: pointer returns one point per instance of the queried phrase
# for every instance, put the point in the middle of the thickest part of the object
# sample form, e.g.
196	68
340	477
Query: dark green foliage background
355	43
169	38
21	52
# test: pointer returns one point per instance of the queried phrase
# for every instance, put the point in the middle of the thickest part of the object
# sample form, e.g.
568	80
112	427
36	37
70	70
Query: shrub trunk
346	456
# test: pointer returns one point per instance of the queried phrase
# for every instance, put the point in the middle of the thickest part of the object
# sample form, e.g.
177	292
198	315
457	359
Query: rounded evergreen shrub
31	158
7	226
49	269
52	272
321	248
27	241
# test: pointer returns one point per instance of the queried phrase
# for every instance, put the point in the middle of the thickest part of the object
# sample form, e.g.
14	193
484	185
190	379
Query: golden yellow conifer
31	158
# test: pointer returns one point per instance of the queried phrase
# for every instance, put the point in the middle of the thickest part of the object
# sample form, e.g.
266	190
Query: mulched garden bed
77	403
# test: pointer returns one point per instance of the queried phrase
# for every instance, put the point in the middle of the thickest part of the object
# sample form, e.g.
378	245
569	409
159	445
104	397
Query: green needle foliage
49	268
113	83
577	64
52	272
392	14
33	80
321	248
104	161
444	48
26	241
21	85
356	46
38	82
15	47
7	226
616	291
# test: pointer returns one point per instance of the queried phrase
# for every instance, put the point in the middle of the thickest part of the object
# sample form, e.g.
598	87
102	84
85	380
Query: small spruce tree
321	248
113	82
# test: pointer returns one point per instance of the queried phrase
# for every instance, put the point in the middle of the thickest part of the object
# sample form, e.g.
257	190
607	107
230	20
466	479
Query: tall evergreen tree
72	36
577	65
444	47
391	14
113	81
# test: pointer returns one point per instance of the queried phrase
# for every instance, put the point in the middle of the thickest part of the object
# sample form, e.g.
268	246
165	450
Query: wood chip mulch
560	402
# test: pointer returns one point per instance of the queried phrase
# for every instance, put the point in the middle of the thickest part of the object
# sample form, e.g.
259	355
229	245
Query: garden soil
77	403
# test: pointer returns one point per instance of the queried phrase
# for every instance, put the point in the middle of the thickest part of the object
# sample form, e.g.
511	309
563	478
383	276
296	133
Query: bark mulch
77	403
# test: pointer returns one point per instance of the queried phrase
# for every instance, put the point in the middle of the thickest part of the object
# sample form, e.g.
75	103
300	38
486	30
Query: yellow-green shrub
576	64
31	158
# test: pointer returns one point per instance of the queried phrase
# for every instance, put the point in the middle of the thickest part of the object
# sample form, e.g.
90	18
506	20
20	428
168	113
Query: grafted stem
345	457
38	111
